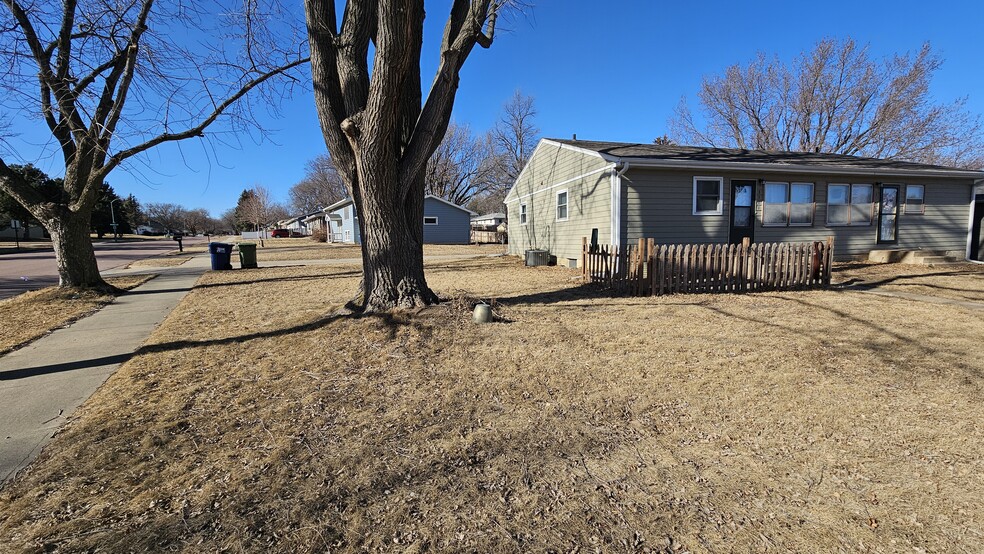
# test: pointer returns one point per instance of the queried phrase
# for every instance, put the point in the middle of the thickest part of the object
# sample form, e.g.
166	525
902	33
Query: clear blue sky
611	70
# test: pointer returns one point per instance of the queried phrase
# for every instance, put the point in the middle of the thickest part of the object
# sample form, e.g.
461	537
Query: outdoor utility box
537	257
247	255
221	255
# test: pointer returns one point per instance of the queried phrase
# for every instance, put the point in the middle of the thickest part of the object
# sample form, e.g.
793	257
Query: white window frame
922	206
850	204
789	204
720	204
434	217
524	215
567	205
347	235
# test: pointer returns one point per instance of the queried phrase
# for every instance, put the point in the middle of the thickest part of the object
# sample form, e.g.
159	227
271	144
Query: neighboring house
444	222
150	228
315	221
25	231
616	193
488	220
342	222
295	225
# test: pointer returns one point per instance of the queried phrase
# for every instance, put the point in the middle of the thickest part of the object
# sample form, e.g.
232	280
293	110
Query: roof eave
797	168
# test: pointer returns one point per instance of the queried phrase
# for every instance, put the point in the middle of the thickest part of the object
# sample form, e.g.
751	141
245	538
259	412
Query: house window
429	220
849	204
345	213
522	214
708	195
788	204
915	196
562	205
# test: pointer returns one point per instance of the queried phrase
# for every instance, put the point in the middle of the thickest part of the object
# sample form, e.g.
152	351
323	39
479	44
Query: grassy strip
256	420
164	261
29	316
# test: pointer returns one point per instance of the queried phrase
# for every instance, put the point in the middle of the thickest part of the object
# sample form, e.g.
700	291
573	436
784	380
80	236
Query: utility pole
112	215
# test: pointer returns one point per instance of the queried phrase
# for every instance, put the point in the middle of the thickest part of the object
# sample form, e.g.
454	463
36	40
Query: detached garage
446	223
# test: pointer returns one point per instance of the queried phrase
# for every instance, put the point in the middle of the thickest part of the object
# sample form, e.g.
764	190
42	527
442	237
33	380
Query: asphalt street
33	269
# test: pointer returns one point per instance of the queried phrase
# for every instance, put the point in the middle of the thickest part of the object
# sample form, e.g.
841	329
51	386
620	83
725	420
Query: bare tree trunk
392	240
73	251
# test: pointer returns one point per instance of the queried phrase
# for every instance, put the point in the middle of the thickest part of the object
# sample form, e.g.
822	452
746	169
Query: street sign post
15	225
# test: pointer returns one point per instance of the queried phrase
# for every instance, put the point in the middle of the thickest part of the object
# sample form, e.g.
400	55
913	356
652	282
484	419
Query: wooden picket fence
647	268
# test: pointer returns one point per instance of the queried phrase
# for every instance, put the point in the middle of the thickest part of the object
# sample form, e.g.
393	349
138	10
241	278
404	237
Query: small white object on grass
483	313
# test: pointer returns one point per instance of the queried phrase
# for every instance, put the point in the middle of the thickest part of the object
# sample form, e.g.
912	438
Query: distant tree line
127	212
109	206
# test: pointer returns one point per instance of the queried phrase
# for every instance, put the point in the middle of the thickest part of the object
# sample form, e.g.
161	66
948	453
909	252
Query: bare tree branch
836	98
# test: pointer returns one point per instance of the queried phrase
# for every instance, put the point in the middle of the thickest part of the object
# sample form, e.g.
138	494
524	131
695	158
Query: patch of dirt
258	419
32	315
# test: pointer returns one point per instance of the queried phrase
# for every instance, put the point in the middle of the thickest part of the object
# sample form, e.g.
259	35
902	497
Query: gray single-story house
616	193
444	222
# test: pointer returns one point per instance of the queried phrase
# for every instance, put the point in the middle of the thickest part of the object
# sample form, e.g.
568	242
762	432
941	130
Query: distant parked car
280	233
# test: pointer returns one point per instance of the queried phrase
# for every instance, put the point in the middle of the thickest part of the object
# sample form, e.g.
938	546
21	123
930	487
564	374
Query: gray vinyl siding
453	224
551	170
659	204
943	226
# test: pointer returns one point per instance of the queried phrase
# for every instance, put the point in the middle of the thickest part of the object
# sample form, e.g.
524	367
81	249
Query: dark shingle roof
680	155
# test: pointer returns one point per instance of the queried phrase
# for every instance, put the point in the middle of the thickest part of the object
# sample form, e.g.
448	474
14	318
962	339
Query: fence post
584	257
828	261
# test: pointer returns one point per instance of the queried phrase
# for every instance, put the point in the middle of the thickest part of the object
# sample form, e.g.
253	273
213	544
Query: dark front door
976	233
888	215
742	211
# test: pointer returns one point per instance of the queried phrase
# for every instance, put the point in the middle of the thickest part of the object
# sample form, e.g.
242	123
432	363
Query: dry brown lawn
31	315
964	281
825	421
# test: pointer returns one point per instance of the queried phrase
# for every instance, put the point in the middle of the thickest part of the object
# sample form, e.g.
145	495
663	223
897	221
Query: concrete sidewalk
43	383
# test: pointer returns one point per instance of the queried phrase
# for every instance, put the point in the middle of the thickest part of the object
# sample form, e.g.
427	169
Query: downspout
616	226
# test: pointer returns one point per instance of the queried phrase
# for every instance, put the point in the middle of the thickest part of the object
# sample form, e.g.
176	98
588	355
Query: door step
912	257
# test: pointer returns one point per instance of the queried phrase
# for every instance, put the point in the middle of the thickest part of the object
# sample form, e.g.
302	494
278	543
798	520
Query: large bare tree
111	80
835	98
320	187
170	216
515	136
379	129
462	167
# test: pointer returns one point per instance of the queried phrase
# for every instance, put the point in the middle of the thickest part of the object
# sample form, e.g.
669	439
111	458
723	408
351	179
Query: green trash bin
247	255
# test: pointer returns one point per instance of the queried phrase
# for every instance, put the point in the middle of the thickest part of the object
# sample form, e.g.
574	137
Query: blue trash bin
221	255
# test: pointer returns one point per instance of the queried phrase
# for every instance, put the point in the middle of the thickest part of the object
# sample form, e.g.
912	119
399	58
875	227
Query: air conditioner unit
537	257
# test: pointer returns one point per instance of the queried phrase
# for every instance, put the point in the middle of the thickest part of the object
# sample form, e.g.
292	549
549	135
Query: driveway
34	269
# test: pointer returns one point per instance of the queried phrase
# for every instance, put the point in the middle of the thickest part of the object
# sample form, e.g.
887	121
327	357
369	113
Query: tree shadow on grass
23	373
393	322
337	275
